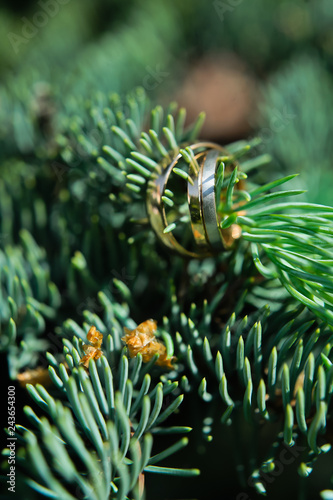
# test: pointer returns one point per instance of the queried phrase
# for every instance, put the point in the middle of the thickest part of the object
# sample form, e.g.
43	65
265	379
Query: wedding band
209	237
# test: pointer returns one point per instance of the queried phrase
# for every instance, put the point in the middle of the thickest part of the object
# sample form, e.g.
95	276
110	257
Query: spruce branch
285	243
110	416
28	299
295	240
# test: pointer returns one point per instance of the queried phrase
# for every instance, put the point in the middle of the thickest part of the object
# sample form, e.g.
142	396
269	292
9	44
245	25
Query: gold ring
208	236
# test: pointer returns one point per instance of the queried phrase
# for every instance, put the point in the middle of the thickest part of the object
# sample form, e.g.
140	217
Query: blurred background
260	67
255	67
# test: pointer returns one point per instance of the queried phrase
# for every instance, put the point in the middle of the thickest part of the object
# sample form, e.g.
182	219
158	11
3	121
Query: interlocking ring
208	236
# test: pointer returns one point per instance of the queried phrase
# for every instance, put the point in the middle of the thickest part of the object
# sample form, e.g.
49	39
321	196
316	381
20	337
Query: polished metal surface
195	206
208	236
157	214
208	201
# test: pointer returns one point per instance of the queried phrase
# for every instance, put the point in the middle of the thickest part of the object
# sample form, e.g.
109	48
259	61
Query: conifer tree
149	361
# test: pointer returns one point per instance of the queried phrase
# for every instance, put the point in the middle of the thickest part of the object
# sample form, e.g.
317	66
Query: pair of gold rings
208	236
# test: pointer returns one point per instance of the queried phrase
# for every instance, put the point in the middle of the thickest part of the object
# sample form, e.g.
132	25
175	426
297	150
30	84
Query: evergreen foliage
250	328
